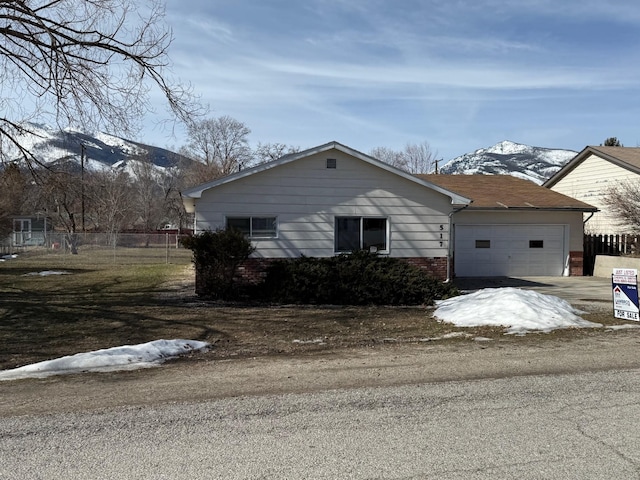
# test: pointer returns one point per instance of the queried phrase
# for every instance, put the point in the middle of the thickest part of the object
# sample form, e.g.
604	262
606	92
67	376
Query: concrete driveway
592	291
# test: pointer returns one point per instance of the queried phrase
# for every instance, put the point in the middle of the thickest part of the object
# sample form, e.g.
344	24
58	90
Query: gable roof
502	192
196	192
625	157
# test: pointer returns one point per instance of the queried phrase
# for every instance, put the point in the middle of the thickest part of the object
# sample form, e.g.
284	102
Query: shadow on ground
477	283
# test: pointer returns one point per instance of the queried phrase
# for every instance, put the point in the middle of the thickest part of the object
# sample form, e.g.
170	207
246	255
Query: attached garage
510	250
513	227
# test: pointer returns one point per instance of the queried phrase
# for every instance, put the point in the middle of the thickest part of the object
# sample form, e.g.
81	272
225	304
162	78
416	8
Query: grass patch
102	304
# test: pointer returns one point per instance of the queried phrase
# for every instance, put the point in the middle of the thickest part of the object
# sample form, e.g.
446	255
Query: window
356	233
483	243
536	243
255	227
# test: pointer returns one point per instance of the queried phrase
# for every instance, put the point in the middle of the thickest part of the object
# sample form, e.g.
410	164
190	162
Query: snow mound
127	357
518	310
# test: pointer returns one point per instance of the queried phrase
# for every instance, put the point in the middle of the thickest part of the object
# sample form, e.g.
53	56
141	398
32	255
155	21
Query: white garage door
509	250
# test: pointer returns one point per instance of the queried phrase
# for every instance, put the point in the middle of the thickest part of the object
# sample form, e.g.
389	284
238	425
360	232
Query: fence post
166	236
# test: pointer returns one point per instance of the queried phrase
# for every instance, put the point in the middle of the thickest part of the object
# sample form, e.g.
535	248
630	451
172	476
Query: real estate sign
625	293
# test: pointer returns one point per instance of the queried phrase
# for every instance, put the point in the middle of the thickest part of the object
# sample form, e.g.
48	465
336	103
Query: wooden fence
608	245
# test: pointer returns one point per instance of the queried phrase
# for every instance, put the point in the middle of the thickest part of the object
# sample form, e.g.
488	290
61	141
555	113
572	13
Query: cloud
361	68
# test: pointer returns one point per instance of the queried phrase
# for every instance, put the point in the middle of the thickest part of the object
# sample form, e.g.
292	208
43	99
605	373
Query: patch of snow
128	357
611	328
520	311
508	148
317	341
447	336
46	273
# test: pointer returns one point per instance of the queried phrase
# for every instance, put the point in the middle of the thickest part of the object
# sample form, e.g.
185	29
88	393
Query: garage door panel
509	250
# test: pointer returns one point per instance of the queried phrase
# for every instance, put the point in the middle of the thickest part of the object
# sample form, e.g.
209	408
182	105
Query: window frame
251	218
361	220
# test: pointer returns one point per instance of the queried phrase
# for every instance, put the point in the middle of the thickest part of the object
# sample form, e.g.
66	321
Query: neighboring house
30	231
588	177
332	199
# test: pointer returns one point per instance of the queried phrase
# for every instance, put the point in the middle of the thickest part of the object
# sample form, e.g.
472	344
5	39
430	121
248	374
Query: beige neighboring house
588	177
332	199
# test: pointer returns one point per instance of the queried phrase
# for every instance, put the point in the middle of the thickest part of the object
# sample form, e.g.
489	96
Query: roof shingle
504	192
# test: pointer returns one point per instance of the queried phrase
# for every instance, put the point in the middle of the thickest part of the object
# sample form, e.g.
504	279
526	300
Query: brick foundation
253	270
576	263
436	267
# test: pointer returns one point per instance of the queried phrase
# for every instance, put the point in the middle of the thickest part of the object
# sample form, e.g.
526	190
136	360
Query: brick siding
253	270
576	263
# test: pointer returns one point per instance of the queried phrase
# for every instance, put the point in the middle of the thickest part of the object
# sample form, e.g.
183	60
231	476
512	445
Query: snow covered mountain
508	158
101	151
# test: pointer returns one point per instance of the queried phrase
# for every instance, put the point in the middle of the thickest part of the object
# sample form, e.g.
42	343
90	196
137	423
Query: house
30	230
590	174
333	199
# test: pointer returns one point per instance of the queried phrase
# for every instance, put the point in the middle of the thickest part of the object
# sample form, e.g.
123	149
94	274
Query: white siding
572	219
589	182
513	227
306	197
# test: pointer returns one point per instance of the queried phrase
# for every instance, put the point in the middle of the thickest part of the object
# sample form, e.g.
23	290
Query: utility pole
82	152
436	162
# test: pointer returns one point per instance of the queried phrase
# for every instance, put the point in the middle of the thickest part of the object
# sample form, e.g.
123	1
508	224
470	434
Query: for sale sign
625	293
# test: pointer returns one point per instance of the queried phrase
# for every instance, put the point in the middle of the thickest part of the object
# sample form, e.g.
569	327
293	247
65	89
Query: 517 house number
442	235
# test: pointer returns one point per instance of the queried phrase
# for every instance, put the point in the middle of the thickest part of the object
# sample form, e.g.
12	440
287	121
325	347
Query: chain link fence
122	248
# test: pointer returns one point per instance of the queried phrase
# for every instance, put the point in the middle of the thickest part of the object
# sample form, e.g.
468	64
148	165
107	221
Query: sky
460	75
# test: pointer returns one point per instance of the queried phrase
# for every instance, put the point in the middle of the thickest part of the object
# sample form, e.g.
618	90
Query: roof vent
332	163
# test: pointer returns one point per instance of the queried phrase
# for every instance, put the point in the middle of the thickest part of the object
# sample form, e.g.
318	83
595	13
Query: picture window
361	233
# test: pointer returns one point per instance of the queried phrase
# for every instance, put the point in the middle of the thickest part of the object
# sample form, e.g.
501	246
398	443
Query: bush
216	256
359	278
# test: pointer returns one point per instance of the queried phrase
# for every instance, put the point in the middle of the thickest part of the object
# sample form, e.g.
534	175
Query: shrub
359	278
216	256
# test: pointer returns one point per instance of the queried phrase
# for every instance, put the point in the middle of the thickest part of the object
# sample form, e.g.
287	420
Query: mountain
508	158
101	151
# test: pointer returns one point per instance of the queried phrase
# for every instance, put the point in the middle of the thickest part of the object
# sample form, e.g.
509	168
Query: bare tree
415	158
148	197
13	185
388	155
85	63
623	201
267	152
419	158
113	202
221	144
60	194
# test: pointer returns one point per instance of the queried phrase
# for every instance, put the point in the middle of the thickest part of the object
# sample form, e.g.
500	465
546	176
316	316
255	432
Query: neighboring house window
536	243
356	233
483	243
255	227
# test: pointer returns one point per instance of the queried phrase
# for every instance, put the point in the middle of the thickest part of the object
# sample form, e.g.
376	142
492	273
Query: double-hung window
361	233
255	227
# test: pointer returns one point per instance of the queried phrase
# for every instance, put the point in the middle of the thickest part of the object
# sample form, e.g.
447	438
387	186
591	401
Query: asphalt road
583	426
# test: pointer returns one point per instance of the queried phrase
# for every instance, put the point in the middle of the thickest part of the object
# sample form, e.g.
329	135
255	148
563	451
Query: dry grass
100	304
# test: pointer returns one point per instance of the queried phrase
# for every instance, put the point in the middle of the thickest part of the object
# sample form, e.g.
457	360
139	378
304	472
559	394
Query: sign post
625	293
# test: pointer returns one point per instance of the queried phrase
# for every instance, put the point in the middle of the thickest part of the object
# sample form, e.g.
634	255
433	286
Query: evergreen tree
612	142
